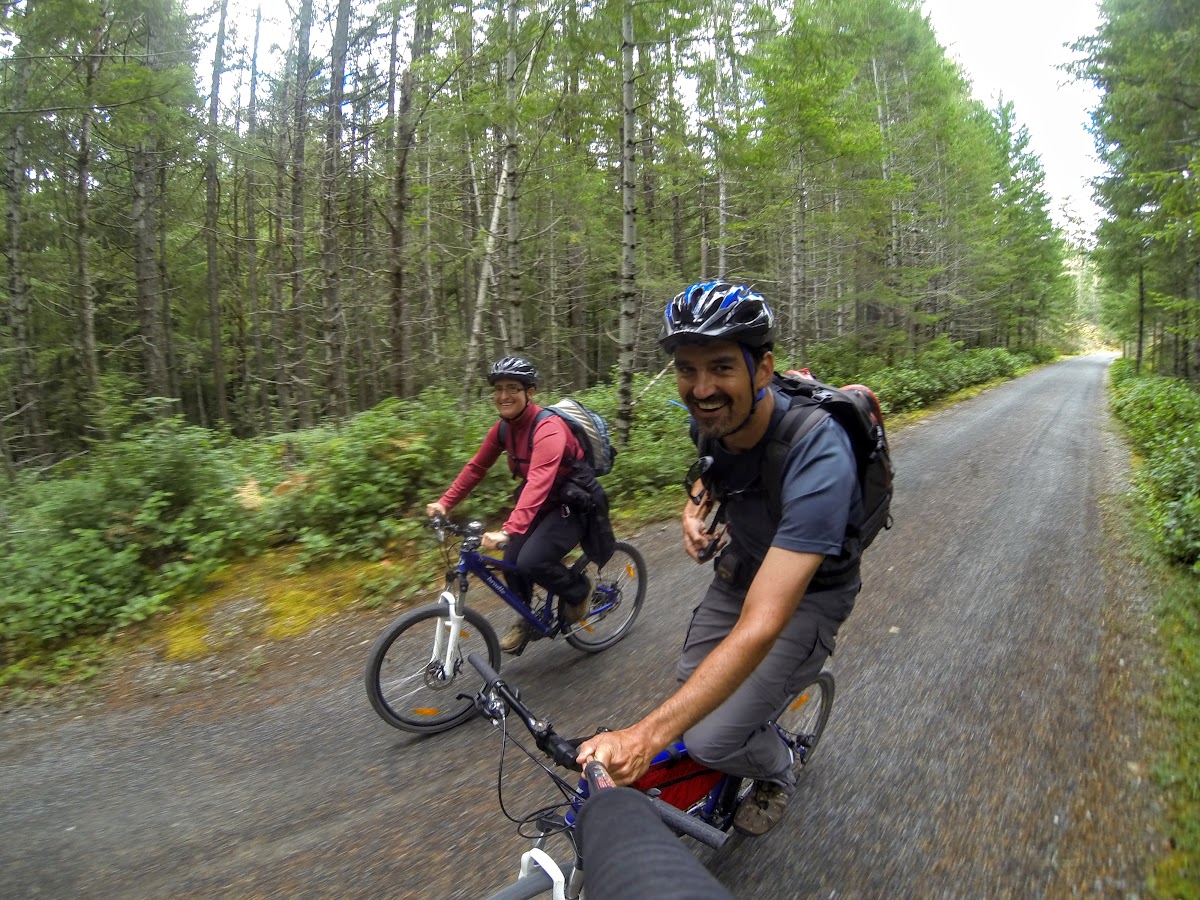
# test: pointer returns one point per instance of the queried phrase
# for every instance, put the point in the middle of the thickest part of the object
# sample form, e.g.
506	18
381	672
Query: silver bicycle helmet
717	310
514	367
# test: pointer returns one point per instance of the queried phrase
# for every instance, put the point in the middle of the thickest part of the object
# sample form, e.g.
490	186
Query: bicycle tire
802	720
616	602
407	690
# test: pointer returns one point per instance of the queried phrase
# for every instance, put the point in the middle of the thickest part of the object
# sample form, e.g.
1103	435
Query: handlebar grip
490	675
597	777
690	825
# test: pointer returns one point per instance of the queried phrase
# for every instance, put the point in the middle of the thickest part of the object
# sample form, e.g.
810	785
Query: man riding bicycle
781	588
542	527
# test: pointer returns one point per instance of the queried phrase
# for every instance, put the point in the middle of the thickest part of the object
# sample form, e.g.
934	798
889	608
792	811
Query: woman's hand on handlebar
435	509
495	540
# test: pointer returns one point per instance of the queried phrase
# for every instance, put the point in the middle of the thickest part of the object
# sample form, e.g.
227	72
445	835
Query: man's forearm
772	599
714	681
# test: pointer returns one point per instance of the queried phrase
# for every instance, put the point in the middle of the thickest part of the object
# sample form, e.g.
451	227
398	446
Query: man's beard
715	428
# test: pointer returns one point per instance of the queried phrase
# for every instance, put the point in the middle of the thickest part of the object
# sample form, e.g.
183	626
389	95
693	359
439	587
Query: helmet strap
756	395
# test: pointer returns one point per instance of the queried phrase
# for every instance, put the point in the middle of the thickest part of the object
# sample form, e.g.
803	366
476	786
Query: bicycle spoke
419	690
619	593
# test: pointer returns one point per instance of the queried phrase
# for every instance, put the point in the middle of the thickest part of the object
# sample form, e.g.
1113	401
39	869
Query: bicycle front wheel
415	682
616	601
803	719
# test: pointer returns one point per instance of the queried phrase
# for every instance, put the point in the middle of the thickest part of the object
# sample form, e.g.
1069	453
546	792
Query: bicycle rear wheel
412	690
802	721
620	590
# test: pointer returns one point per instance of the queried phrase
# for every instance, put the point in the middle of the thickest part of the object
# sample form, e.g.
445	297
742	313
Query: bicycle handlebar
471	533
564	754
544	735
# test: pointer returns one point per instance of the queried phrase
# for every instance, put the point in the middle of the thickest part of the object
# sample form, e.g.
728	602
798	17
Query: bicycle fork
447	629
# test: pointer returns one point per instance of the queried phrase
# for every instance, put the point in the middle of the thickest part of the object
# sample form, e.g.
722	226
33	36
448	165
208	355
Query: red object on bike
680	782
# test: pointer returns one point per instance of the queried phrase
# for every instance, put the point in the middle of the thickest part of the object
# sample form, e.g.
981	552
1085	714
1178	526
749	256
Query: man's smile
709	404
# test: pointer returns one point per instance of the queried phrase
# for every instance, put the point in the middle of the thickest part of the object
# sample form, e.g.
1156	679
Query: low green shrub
152	513
941	371
122	532
1162	418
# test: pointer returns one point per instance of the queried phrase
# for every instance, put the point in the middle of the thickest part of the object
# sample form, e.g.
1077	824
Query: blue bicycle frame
472	562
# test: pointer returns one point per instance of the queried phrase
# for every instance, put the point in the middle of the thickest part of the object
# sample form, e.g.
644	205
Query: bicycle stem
544	735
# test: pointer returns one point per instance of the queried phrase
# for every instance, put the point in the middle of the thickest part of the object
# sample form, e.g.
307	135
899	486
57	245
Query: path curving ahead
986	738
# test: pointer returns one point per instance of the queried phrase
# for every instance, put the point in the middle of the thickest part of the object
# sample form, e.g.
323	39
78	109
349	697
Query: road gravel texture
990	735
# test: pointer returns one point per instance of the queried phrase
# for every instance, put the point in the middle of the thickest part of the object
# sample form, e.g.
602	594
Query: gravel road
988	739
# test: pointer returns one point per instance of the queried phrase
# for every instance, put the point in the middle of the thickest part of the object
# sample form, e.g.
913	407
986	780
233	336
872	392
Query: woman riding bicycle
542	527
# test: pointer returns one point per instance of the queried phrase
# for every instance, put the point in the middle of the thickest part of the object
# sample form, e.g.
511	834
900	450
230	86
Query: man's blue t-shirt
821	500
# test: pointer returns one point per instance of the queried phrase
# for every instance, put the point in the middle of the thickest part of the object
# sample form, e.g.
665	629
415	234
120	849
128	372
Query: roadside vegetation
146	522
1161	417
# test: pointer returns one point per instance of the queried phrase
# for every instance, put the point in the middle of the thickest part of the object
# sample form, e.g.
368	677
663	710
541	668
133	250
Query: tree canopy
1147	129
260	236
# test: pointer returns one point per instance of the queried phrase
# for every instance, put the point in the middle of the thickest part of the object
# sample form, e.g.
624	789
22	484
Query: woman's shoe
516	638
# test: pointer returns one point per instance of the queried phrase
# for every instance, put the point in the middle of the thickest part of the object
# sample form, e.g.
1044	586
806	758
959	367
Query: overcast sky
1014	47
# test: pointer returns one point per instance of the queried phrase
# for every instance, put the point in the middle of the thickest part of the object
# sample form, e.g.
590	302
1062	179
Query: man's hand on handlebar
435	509
625	753
495	540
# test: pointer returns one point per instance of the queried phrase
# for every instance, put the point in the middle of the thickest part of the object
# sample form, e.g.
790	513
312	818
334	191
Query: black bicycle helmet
514	367
717	310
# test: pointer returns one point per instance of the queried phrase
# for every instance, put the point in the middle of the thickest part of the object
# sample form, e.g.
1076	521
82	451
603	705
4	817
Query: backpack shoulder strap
797	423
502	434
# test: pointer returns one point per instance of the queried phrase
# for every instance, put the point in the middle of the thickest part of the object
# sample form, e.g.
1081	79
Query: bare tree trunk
149	294
892	263
210	226
301	379
395	326
400	328
403	375
28	390
798	299
577	289
281	352
577	337
83	272
474	341
244	418
1141	323
260	365
627	330
166	319
335	326
431	312
516	320
722	223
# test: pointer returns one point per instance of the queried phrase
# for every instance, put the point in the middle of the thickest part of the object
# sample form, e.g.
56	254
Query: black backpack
856	409
581	491
589	429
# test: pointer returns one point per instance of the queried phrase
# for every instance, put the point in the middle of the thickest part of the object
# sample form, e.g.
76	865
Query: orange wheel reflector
629	570
426	711
464	634
800	701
